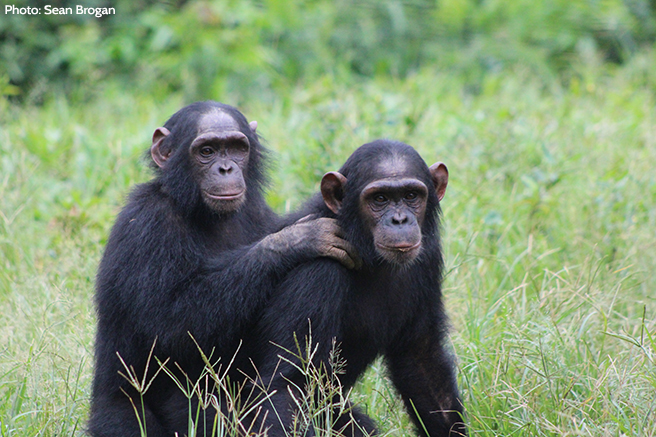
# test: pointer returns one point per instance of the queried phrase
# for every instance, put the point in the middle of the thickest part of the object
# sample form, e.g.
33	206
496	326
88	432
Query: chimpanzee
194	253
386	200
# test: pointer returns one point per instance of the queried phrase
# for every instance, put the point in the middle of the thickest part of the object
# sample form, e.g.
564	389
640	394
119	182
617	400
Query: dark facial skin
219	155
394	210
392	207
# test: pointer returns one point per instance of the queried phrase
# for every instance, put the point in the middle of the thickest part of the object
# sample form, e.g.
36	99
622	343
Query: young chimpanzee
195	252
385	199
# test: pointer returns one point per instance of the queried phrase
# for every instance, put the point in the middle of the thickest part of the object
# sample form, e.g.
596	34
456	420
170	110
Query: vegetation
545	113
251	48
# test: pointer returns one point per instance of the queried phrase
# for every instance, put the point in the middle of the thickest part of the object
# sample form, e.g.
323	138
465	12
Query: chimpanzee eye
206	152
380	198
411	195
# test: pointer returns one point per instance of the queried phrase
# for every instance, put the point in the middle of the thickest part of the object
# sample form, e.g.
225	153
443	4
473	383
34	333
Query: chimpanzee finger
336	236
305	219
351	252
342	256
330	225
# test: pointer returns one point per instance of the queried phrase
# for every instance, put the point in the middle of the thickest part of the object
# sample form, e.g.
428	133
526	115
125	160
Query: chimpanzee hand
314	238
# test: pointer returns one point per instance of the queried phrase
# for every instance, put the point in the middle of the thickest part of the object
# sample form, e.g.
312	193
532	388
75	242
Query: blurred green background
544	111
243	49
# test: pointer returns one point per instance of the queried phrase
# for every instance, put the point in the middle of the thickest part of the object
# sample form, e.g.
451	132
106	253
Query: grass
549	236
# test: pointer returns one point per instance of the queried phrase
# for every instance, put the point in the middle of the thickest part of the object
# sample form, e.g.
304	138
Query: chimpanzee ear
332	190
253	125
440	175
155	151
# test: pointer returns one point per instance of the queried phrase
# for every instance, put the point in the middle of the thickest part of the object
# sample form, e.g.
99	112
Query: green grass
549	235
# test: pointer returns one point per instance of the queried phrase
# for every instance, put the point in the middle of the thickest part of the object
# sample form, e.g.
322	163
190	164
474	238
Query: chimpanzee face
393	209
219	155
392	206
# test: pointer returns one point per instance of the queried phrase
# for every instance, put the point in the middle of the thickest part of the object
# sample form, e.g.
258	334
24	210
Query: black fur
382	309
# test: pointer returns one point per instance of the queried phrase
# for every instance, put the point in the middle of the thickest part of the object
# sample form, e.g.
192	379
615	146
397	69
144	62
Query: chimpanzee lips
225	196
400	247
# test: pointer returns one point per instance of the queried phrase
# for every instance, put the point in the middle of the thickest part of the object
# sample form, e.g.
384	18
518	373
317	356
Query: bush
211	47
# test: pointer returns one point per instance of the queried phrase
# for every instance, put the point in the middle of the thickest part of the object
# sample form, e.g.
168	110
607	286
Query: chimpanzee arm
158	279
423	372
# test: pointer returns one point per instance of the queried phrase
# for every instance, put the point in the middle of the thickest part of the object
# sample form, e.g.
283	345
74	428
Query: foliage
241	48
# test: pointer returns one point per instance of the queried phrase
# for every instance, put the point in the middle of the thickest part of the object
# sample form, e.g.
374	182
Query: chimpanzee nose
225	168
399	218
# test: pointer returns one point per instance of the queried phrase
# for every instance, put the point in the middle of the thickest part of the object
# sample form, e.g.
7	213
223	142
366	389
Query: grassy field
549	235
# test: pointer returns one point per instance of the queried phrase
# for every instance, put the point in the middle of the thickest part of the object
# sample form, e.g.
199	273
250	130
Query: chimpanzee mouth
230	196
400	248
